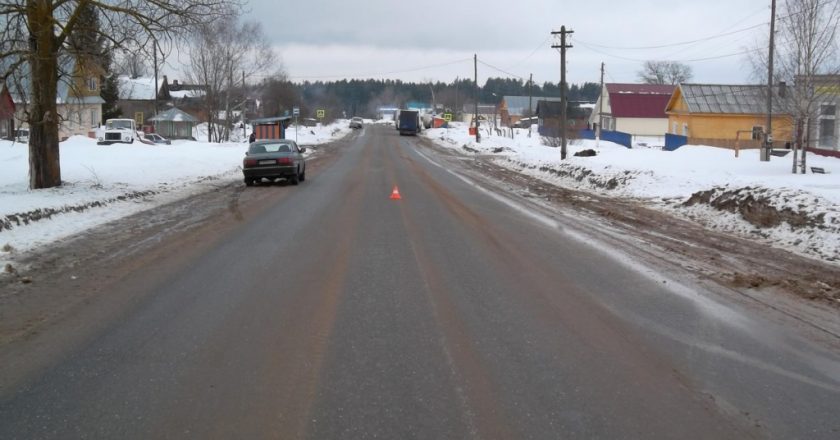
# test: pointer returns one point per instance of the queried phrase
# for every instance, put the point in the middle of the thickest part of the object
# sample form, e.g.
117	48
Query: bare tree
133	64
807	50
223	56
807	61
664	72
36	32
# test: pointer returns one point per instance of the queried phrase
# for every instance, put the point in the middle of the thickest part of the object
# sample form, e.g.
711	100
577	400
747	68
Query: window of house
685	130
138	119
675	129
94	118
92	83
827	135
757	132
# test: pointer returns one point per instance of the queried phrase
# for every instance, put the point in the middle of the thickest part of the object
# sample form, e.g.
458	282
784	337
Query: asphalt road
335	312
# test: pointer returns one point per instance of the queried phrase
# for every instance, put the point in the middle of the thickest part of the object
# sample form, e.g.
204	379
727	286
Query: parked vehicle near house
158	139
22	135
356	122
272	159
409	122
117	131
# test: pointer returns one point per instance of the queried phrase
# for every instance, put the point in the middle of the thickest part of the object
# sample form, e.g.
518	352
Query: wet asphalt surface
333	311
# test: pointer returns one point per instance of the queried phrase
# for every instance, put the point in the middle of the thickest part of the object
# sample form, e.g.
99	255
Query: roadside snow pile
759	200
104	183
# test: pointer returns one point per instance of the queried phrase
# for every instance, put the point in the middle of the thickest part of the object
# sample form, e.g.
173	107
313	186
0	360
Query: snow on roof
137	88
650	89
180	94
173	115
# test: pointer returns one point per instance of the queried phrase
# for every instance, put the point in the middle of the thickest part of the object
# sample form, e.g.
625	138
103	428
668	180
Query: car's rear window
271	148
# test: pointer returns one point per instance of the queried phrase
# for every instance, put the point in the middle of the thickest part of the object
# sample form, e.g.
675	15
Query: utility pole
768	134
245	107
600	105
564	105
156	77
530	104
477	134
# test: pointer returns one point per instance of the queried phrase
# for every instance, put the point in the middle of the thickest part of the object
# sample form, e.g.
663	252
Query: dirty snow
104	183
667	180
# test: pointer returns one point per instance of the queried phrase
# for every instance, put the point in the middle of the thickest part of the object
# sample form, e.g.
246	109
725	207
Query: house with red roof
7	113
637	109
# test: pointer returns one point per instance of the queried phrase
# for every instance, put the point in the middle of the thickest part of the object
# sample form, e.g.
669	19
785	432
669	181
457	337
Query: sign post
296	113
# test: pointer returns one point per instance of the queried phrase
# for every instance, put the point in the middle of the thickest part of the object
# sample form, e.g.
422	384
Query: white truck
117	131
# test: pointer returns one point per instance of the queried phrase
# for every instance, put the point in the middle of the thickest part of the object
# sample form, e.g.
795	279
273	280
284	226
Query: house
137	100
825	132
718	115
486	113
7	113
549	114
514	108
187	97
78	99
636	109
174	124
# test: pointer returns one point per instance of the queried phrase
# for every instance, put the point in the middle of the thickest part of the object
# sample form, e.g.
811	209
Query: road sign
321	113
296	111
447	117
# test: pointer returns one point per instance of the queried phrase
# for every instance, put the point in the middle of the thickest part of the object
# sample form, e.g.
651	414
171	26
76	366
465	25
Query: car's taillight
250	162
284	161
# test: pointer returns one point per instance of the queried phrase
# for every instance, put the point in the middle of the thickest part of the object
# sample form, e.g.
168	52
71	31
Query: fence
674	141
618	137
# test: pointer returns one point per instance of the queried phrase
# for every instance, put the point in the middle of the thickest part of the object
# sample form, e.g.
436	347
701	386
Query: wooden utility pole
530	95
477	134
530	104
600	105
563	104
156	77
768	133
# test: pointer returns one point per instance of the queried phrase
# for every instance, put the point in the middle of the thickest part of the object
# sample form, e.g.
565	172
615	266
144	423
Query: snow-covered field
792	211
103	183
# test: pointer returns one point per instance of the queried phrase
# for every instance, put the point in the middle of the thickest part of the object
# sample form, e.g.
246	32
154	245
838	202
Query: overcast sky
417	41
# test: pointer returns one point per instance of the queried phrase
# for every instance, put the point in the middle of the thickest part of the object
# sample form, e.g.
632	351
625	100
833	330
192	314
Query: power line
682	43
500	70
541	45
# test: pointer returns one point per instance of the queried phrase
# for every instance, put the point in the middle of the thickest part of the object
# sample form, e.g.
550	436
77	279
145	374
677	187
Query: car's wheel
295	179
249	182
303	174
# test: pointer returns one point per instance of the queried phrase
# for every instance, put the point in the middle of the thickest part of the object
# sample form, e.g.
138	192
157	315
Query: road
329	310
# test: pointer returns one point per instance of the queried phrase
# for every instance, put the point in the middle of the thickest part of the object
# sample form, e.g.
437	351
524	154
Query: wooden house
513	108
549	113
7	113
718	115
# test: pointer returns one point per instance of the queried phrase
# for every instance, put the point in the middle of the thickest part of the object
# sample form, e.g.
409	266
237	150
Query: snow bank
103	183
760	200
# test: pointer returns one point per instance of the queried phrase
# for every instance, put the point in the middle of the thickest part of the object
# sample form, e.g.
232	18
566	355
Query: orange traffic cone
395	194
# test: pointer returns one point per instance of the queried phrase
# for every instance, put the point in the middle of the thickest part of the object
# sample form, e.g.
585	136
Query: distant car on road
357	122
272	159
158	139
